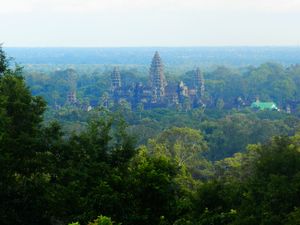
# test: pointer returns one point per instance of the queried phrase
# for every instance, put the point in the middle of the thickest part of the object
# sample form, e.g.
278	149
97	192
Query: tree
181	144
152	189
3	61
102	220
185	146
268	180
23	151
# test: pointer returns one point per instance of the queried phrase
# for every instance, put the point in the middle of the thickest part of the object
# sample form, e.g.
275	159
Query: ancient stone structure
116	84
157	78
72	99
199	83
157	94
182	91
115	79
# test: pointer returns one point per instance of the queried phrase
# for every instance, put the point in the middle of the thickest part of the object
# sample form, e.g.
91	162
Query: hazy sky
149	22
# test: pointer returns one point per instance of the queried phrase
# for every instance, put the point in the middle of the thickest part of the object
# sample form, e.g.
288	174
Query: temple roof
264	105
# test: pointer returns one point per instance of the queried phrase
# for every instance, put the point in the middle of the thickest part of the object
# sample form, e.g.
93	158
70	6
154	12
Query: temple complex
158	93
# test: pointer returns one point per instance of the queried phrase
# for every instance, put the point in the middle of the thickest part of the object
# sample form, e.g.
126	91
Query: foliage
102	220
185	146
23	153
50	177
226	123
259	187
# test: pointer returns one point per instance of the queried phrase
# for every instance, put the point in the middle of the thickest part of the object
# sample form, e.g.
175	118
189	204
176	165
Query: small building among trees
264	106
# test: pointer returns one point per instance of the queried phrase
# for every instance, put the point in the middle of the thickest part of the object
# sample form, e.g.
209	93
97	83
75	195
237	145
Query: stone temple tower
115	79
157	78
199	83
72	99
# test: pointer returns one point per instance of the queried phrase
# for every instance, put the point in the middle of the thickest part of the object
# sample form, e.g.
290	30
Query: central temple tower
157	78
116	84
115	79
199	83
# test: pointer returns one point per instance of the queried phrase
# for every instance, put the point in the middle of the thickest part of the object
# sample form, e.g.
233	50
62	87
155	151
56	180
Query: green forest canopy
51	177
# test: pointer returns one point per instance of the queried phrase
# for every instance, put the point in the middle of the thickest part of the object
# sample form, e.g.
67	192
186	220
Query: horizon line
155	46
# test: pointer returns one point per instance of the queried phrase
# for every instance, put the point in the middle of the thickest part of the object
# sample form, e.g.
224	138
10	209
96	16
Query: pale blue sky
108	23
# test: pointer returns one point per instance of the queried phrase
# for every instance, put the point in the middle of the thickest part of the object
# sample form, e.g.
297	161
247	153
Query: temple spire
158	81
116	79
199	82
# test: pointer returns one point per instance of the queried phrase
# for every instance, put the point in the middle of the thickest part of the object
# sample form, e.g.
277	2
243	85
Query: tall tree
22	151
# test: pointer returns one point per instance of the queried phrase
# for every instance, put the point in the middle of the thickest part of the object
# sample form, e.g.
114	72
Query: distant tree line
225	87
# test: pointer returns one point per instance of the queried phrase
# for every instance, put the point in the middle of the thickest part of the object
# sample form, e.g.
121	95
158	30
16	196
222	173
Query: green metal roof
264	105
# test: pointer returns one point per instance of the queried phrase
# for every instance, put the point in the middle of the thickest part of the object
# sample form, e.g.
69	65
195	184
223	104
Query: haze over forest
193	56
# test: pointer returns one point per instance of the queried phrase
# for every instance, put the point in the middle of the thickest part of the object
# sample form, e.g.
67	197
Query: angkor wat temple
158	93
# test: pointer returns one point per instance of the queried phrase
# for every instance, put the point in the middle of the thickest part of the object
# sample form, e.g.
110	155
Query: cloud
15	6
94	6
